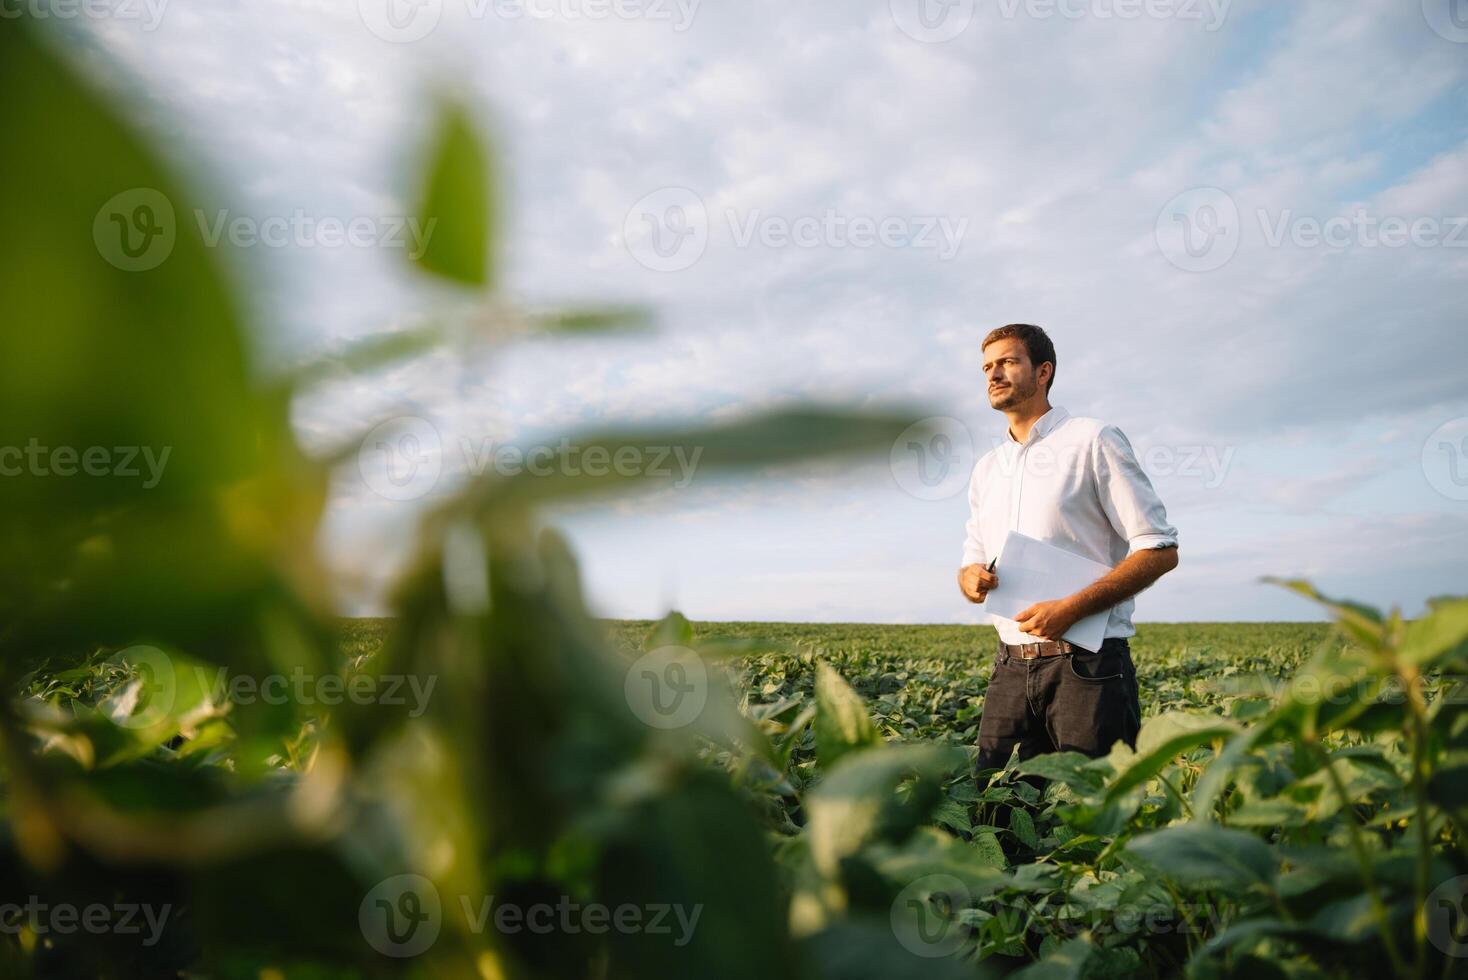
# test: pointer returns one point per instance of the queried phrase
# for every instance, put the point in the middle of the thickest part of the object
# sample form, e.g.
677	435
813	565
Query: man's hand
975	581
1048	620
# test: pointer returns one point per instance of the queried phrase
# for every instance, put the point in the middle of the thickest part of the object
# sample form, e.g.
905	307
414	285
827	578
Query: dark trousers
1080	702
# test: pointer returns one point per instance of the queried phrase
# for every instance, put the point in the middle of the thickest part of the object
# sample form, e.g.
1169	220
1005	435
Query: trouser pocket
1094	704
1104	665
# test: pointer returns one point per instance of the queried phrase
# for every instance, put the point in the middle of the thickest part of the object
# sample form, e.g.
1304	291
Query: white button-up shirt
1074	483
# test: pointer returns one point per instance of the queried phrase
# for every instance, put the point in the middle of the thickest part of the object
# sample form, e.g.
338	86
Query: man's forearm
1135	573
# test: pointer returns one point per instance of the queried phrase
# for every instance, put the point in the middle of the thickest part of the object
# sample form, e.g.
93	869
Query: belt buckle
1029	651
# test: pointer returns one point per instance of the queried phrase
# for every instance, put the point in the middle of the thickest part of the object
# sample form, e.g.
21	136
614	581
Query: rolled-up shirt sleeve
973	542
1132	506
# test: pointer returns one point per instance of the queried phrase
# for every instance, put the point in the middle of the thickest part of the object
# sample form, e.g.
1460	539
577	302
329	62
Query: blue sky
1042	164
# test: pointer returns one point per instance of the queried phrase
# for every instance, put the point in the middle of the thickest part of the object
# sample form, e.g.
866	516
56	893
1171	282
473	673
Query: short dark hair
1037	344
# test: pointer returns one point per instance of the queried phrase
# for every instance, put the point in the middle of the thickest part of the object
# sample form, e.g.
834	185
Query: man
1076	484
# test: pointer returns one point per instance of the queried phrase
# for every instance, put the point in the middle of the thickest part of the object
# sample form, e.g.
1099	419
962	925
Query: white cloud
1057	141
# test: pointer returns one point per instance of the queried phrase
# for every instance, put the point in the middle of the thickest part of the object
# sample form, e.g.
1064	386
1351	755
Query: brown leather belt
1041	648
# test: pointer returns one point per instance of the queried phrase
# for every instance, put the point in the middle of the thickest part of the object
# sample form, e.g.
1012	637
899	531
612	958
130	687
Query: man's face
1010	374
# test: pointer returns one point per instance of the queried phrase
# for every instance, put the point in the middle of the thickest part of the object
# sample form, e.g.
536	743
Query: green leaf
683	456
1161	739
1219	773
932	852
1349	920
842	723
122	336
368	354
1200	856
673	630
591	319
857	802
1442	633
868	950
1239	933
990	851
1023	826
1066	962
458	213
1073	769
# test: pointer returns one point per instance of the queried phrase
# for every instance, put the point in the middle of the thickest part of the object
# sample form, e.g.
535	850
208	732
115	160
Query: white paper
1031	571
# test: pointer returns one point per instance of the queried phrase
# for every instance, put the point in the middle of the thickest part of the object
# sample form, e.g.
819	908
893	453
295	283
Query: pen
993	563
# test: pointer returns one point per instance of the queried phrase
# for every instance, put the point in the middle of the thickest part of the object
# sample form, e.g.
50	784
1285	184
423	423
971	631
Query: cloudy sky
1244	224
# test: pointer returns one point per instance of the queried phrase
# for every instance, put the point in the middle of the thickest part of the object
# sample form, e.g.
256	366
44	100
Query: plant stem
1363	859
1187	807
1412	680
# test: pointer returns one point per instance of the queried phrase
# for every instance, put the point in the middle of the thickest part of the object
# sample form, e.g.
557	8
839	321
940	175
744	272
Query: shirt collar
1043	426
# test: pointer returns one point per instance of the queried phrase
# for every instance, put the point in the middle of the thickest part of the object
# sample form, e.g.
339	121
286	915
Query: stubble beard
1016	394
